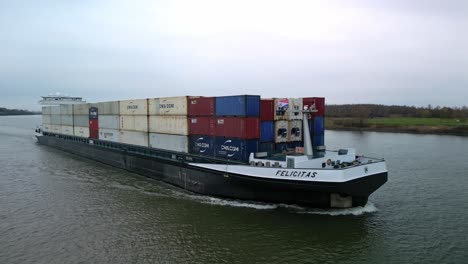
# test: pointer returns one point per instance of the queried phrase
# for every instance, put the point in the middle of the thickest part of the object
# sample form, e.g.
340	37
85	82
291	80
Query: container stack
236	126
316	120
168	123
267	125
134	122
55	120
47	118
81	120
66	119
201	112
109	121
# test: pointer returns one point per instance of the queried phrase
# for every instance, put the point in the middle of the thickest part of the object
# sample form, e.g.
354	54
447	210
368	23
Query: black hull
178	172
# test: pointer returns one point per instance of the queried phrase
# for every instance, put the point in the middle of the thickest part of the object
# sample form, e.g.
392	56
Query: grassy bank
401	124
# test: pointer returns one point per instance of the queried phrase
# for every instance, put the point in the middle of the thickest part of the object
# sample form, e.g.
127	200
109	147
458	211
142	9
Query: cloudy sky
398	52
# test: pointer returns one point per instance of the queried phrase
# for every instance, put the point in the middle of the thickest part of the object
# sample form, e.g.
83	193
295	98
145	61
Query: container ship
237	147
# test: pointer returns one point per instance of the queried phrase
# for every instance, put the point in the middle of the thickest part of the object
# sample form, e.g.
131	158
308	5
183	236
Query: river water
59	208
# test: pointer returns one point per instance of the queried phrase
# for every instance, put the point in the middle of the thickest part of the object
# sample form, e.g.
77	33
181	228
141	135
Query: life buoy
329	162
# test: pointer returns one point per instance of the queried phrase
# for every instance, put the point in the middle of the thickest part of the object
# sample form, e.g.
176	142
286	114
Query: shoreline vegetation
10	112
399	119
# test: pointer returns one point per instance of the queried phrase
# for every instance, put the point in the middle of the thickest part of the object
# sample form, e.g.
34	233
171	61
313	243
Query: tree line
375	110
5	111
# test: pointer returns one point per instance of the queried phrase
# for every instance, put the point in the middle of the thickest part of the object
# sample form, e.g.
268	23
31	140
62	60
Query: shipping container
109	108
109	134
238	105
315	103
201	106
267	131
57	129
267	110
93	112
234	148
295	105
318	140
295	144
281	131
66	120
66	130
55	110
266	147
281	108
66	109
201	145
175	125
134	138
169	142
81	109
109	121
81	131
46	119
94	124
319	125
281	147
237	127
46	128
134	107
201	125
295	130
46	110
134	123
94	133
81	120
169	106
55	119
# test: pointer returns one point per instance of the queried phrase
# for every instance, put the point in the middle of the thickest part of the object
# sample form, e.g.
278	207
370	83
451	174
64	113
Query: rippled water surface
59	208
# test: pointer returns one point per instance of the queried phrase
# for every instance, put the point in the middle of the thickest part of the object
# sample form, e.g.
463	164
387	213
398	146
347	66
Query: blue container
201	145
295	144
234	148
281	147
267	131
93	113
238	105
267	147
318	140
319	125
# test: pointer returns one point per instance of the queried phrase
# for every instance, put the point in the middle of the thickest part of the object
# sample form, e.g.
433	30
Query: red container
237	127
201	106
317	102
94	133
201	125
267	110
93	124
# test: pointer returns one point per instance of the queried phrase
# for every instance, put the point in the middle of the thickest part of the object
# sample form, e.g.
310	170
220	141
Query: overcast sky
398	52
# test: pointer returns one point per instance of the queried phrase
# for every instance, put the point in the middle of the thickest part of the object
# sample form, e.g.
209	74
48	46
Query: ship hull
206	181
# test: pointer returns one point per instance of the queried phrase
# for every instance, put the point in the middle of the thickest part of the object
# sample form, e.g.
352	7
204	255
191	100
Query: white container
109	134
81	131
46	110
67	130
134	107
66	109
281	108
66	120
109	108
57	129
46	119
55	110
175	125
168	106
281	131
134	123
46	127
168	142
109	121
81	109
295	130
295	104
81	120
134	138
55	119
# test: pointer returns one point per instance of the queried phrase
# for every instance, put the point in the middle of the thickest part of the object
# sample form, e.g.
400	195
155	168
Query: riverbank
439	126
